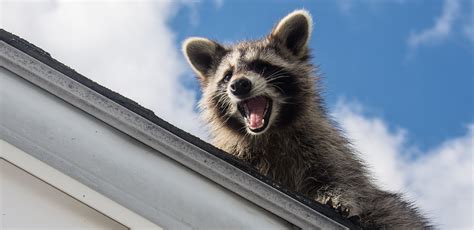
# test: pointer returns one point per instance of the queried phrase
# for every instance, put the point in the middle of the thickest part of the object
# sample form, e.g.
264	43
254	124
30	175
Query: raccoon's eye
227	76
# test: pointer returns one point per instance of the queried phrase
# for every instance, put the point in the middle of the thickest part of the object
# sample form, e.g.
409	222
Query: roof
144	126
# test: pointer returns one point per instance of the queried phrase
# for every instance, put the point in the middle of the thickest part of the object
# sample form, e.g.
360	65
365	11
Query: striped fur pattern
298	145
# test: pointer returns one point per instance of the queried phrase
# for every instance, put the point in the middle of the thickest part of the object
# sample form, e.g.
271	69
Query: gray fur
308	154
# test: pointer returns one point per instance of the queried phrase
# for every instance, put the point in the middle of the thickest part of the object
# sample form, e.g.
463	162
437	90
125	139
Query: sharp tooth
266	108
246	110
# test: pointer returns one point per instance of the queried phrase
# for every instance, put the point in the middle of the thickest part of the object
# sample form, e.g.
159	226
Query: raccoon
262	100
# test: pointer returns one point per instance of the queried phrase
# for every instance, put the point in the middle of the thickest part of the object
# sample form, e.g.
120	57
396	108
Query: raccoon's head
253	86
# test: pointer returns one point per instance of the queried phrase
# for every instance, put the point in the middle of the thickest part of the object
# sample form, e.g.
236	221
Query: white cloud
125	46
440	180
441	29
372	137
443	26
444	181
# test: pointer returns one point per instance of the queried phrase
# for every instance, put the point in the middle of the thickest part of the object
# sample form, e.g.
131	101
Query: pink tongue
256	108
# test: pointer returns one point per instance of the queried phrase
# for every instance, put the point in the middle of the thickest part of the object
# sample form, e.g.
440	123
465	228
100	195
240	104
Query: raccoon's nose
241	87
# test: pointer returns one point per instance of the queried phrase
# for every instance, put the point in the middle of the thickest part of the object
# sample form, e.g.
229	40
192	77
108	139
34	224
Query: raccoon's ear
202	54
294	31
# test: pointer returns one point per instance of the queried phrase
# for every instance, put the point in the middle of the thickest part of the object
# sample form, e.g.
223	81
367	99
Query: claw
329	202
345	212
341	209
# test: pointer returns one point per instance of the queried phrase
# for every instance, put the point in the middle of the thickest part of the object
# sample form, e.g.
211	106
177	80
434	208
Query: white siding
28	202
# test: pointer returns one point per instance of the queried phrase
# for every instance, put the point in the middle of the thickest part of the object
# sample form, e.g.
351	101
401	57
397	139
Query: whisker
276	73
278	77
278	87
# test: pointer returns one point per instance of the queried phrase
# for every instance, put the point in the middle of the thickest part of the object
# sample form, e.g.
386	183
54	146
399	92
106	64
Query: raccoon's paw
352	213
344	210
347	212
334	202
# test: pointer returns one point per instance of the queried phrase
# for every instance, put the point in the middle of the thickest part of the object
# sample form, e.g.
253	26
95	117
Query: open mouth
256	112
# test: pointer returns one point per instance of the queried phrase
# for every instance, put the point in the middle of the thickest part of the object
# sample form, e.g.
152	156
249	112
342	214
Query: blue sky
364	55
398	74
